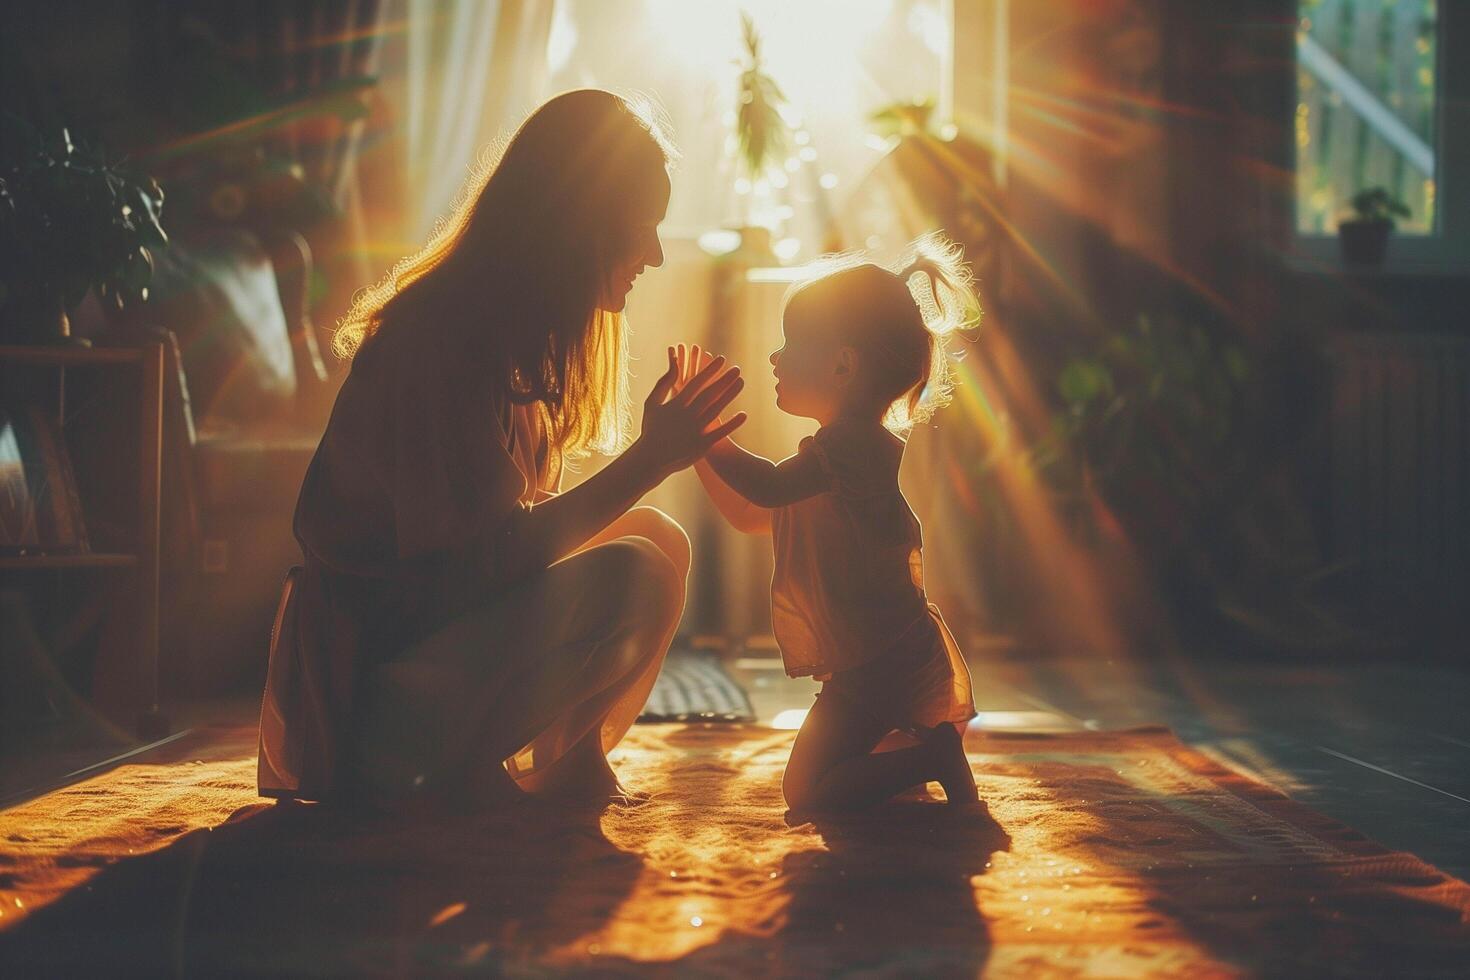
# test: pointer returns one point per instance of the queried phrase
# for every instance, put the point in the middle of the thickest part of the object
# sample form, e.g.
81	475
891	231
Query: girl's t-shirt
848	583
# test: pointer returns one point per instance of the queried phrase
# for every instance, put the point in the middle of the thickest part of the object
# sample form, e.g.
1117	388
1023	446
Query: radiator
1400	460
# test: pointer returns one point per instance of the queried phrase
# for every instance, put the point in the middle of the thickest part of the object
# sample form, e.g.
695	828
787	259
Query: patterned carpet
1111	854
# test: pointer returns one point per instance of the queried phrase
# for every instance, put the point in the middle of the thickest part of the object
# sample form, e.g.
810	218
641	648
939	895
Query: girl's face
811	370
634	244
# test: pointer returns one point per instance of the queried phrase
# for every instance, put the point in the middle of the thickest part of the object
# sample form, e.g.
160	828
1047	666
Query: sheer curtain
471	69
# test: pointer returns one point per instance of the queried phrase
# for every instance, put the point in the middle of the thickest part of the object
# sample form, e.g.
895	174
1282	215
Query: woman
460	629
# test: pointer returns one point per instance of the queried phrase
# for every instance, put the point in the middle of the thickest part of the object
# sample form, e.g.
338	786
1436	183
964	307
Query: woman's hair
520	262
899	328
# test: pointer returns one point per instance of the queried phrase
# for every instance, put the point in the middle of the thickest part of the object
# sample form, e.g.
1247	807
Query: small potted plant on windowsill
70	221
1364	237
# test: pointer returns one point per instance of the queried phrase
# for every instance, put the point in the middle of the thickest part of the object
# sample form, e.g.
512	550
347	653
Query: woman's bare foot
624	797
951	767
593	789
583	777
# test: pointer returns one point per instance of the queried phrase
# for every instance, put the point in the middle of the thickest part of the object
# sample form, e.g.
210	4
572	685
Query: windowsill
1408	258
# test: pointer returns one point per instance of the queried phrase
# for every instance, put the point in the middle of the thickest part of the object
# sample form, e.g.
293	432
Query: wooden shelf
91	559
128	665
69	356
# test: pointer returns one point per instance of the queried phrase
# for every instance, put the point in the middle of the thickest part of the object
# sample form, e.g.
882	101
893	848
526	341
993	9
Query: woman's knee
663	531
642	578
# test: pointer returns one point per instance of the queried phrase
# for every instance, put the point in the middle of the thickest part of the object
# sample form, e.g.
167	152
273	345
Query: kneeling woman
460	630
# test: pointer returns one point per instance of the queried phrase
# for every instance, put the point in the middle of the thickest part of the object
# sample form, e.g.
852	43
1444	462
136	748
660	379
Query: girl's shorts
911	687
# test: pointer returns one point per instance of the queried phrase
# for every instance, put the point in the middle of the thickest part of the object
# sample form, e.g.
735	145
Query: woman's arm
741	513
676	433
557	525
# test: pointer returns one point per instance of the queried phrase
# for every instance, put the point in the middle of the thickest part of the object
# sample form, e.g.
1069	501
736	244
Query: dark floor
1382	747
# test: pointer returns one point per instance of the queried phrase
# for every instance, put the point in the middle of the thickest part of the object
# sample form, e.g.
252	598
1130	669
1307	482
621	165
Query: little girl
863	357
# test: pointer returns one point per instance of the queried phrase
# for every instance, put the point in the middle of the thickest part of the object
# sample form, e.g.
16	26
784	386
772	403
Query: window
1381	103
1366	100
836	61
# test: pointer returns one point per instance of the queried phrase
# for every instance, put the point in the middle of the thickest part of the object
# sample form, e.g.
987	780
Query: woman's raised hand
692	360
681	417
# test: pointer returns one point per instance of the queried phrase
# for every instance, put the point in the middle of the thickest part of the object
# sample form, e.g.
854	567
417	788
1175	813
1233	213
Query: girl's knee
796	790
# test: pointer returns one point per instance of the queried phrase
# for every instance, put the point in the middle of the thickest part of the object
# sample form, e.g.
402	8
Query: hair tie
927	266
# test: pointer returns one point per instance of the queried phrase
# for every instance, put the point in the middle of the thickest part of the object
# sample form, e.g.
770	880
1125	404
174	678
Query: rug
1110	854
693	685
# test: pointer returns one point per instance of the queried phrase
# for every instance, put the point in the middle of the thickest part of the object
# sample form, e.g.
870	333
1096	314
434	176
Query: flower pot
755	246
1364	243
34	322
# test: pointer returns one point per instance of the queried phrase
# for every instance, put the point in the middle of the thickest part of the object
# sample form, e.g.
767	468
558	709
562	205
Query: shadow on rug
1110	853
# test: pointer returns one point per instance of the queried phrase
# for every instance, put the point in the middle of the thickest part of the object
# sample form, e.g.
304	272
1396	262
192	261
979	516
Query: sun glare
790	719
809	46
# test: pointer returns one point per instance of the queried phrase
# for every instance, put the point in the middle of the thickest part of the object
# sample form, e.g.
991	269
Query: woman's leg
656	526
538	669
833	765
583	769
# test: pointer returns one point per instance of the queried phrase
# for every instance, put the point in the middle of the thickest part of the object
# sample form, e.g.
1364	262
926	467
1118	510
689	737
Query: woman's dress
410	522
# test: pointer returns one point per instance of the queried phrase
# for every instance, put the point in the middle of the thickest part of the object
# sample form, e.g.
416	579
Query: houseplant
760	135
70	221
1364	237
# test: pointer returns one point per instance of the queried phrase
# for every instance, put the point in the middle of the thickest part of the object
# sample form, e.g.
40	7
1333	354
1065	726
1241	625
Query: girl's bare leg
833	766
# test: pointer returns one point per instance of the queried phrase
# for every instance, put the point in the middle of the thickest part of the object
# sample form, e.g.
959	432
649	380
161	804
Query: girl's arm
733	477
762	482
741	513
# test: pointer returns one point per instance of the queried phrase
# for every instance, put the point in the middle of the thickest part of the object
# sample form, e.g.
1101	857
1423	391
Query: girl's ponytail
947	306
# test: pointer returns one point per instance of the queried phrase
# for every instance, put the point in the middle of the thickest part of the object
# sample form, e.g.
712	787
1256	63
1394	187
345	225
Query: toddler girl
864	356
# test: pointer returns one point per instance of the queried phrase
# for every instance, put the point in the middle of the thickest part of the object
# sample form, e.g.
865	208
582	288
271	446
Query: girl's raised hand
681	416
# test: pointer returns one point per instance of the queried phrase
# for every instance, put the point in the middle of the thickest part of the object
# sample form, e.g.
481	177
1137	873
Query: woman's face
634	244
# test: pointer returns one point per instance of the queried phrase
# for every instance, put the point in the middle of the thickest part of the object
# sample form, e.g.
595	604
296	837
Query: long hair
903	323
520	262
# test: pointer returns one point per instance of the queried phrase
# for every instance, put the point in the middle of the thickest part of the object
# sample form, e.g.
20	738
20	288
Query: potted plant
1364	237
760	134
70	221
